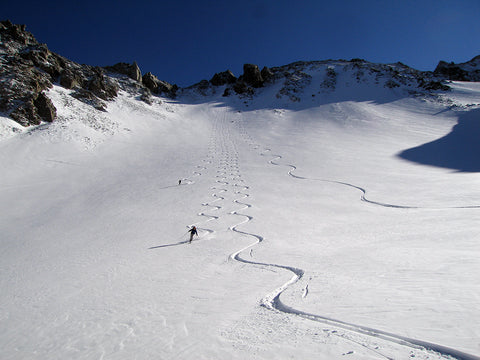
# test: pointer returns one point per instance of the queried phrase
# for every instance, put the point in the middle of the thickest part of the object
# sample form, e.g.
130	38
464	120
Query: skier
180	182
192	231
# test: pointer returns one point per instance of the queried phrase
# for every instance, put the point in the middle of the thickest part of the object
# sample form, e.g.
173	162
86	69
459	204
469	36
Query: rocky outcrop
467	71
89	98
432	85
252	78
28	69
241	87
252	75
102	86
69	80
21	80
223	78
267	74
34	111
45	108
157	86
131	70
26	114
16	33
146	96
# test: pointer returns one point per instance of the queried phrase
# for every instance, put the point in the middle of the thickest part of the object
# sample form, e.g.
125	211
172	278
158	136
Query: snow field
95	263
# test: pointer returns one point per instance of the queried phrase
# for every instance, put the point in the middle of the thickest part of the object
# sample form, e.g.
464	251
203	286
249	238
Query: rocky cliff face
28	69
467	71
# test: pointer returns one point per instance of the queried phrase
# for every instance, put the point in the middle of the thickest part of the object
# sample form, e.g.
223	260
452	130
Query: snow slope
321	236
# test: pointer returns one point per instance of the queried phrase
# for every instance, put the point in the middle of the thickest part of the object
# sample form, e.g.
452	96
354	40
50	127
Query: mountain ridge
29	69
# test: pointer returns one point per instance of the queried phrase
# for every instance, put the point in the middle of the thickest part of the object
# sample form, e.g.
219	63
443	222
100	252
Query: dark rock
95	85
223	78
131	70
45	108
150	81
69	80
433	85
241	87
102	86
252	75
146	96
17	33
42	58
26	114
34	68
267	74
451	71
468	71
227	92
89	98
157	86
203	85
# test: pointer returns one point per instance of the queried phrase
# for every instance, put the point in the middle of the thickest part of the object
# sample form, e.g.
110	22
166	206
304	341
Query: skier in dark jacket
192	231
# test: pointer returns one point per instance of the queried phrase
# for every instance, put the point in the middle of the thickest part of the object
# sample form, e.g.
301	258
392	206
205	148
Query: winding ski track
272	300
224	154
276	304
362	190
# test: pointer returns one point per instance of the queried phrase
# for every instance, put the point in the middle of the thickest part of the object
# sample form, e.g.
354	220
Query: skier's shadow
170	186
185	182
169	245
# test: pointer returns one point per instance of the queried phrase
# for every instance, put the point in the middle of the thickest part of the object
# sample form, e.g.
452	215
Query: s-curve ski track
228	137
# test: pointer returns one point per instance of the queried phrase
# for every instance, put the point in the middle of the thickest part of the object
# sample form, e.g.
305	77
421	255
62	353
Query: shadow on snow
169	245
459	150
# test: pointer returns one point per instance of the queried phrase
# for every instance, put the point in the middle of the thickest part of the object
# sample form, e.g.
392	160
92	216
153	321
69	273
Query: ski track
362	190
272	300
222	151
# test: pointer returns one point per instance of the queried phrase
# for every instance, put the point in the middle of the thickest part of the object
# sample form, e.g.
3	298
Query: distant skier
192	231
180	182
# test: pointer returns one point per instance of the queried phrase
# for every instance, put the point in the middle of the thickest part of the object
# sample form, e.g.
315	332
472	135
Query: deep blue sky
185	41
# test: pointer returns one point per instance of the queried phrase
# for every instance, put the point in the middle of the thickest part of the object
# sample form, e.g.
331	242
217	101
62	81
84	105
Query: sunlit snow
327	229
